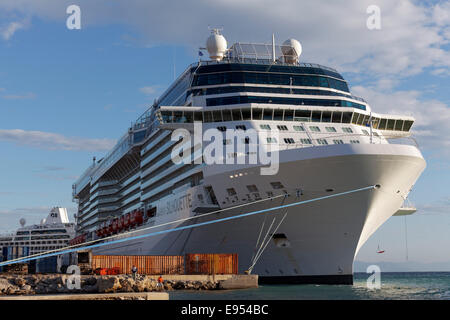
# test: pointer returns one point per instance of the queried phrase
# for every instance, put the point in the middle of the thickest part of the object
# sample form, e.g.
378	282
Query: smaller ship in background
54	232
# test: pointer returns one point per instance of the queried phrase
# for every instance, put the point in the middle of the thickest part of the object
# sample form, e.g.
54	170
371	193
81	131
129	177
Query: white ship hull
322	237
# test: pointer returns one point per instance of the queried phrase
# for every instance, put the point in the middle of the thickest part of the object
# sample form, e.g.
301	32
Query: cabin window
246	114
354	141
207	116
231	192
198	116
347	130
277	185
390	124
337	117
315	128
326	116
407	125
257	114
226	114
264	126
330	129
338	141
271	140
282	128
382	125
299	128
268	113
252	188
289	140
236	114
288	115
302	115
398	125
322	141
278	115
217	116
346	117
306	141
316	116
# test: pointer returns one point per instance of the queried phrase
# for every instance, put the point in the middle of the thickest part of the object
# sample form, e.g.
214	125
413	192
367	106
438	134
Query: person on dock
160	283
134	272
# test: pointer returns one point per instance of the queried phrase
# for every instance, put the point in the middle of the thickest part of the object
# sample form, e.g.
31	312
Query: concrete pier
94	296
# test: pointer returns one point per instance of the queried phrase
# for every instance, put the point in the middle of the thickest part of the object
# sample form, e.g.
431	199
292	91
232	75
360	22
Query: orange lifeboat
120	223
110	227
133	219
114	226
139	217
126	221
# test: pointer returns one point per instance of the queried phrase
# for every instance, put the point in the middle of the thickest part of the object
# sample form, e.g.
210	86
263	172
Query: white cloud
149	90
334	33
8	30
54	141
42	210
24	96
436	208
431	128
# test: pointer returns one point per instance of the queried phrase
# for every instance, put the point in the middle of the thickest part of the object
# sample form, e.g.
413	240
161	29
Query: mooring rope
46	254
142	229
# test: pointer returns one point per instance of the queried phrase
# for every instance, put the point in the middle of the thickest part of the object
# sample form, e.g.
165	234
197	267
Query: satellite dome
292	49
22	222
43	221
216	45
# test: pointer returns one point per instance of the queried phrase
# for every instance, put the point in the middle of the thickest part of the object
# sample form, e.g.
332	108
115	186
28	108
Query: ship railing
411	141
314	142
263	61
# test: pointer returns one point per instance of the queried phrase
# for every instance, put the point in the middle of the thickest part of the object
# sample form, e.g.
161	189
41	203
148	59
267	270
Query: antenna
273	47
174	69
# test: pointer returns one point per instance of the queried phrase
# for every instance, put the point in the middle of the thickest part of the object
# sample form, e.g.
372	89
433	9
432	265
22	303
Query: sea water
394	286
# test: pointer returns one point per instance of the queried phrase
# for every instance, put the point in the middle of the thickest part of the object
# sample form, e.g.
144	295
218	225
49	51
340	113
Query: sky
67	95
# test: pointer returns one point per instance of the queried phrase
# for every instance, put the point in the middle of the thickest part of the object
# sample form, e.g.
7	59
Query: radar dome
216	45
22	222
292	49
43	221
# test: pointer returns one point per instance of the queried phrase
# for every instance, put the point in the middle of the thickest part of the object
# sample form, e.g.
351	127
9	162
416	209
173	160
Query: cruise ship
336	172
53	233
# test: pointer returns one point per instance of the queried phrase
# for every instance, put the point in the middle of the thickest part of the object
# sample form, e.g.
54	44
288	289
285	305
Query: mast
273	47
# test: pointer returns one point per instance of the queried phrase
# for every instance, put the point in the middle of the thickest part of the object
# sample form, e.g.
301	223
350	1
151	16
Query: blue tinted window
270	78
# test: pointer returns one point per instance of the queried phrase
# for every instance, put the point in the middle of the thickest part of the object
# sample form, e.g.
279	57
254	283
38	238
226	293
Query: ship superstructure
54	232
327	141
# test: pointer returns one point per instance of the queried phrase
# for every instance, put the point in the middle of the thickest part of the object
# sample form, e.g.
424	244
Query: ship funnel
216	45
292	49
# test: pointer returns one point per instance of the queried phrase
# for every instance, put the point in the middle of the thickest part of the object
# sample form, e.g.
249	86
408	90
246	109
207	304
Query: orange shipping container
211	263
151	265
